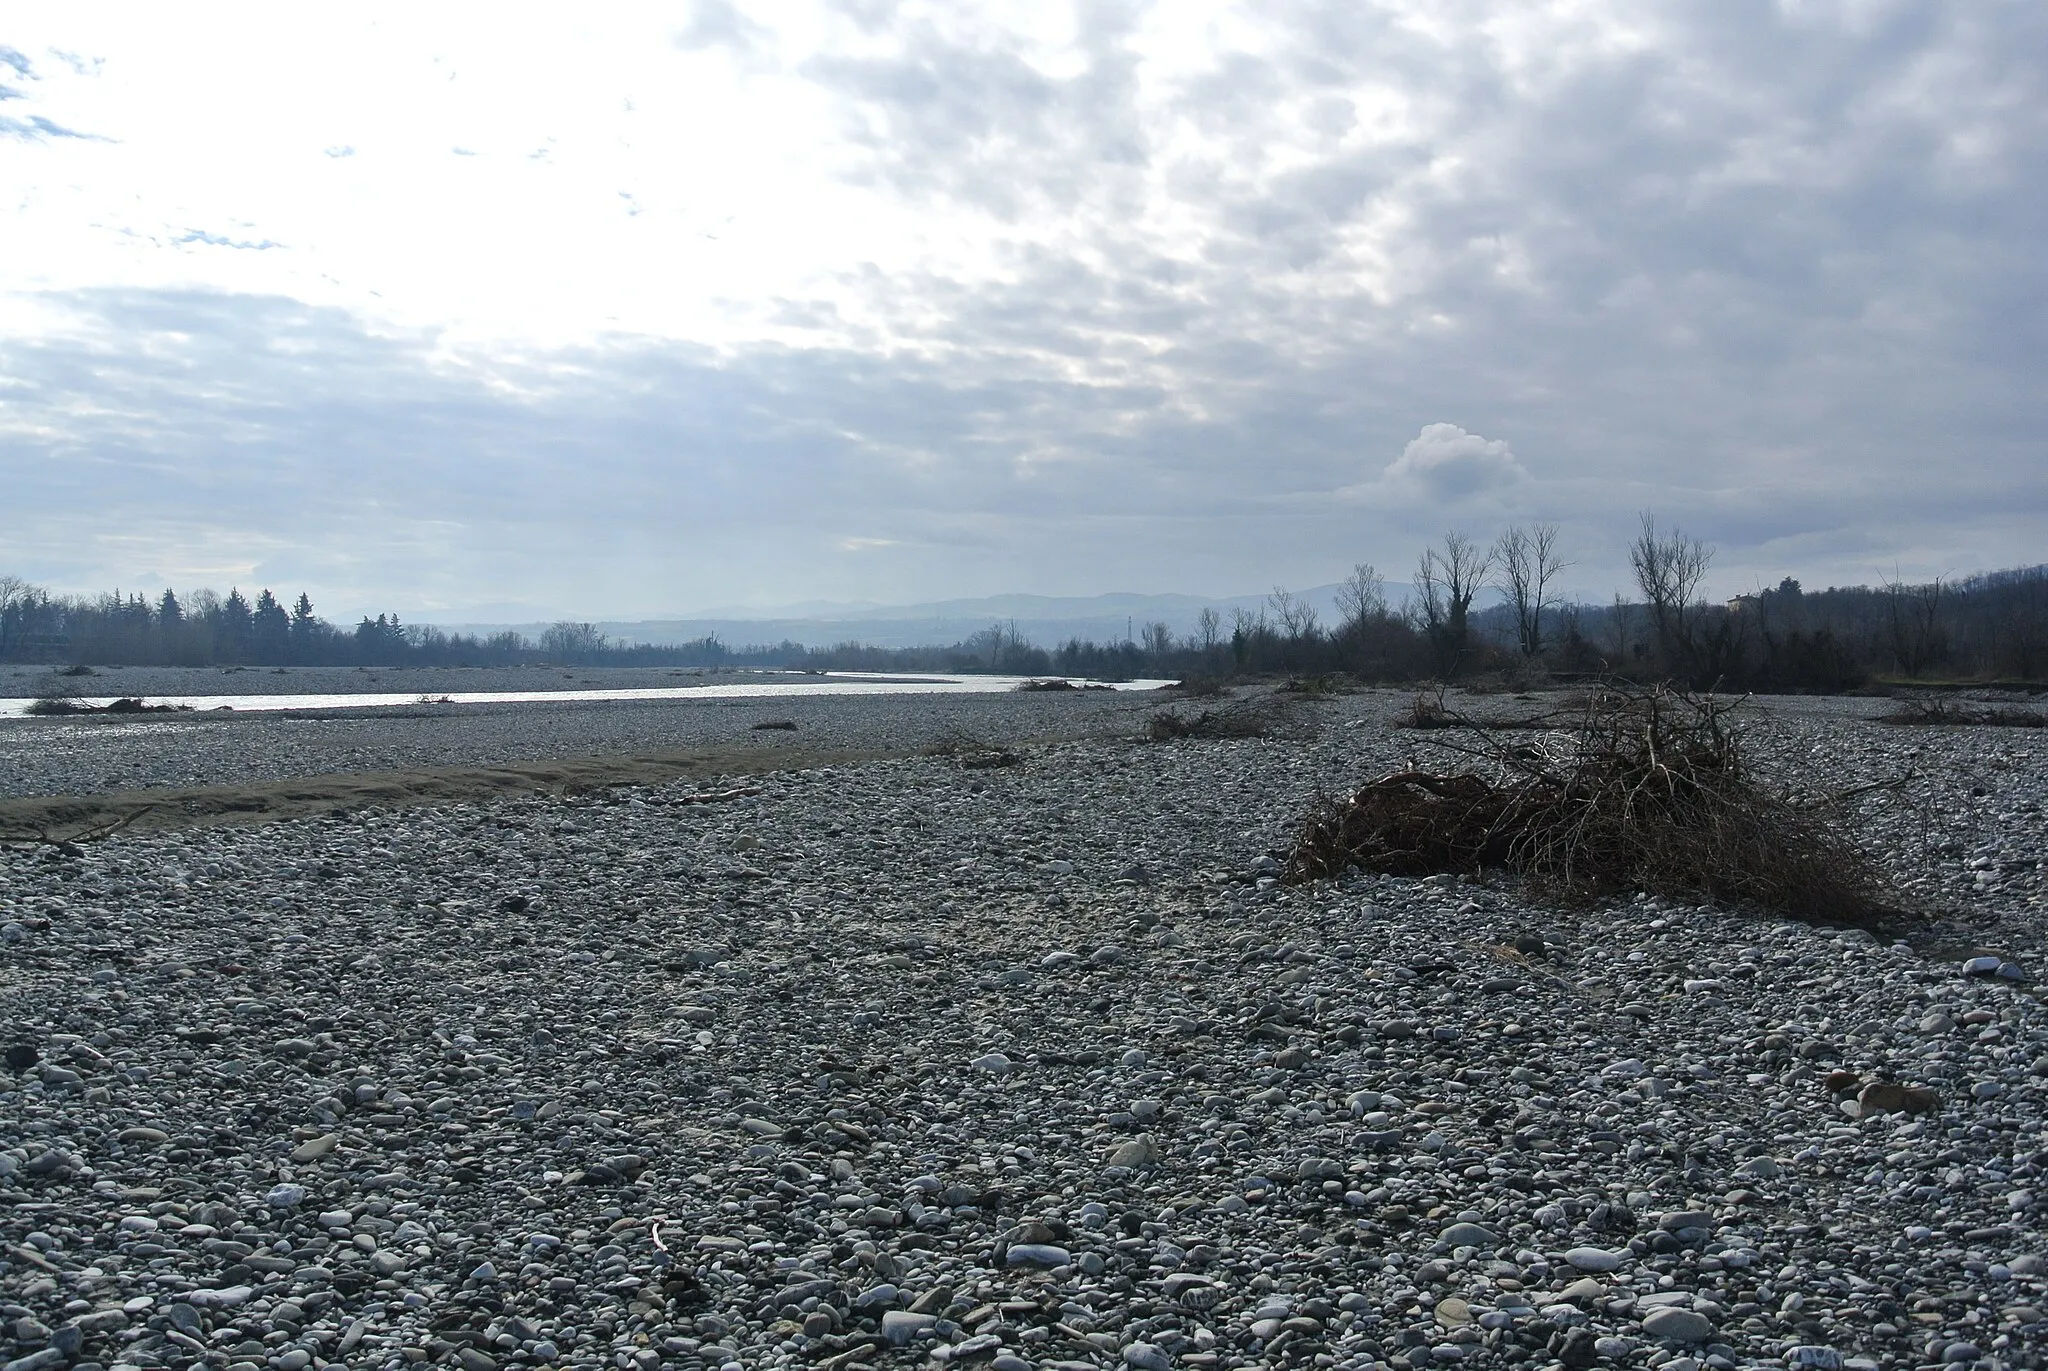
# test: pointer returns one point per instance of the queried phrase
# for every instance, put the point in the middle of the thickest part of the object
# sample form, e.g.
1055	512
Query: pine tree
270	628
231	638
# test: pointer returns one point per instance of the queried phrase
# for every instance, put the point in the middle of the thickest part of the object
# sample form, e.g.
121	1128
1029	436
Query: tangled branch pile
972	753
1253	718
57	706
1643	790
1933	712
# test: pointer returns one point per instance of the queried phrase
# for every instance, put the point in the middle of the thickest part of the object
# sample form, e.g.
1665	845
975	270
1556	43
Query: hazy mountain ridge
1043	619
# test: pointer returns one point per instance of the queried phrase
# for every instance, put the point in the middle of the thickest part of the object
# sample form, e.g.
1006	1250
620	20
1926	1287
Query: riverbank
155	682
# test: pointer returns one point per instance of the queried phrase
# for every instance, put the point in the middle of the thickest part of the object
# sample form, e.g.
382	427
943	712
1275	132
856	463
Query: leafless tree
1158	638
1447	582
566	641
1209	628
16	597
1362	599
1527	562
1913	624
1298	618
1668	569
1620	631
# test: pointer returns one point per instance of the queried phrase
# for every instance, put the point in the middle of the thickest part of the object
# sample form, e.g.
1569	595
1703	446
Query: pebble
1469	1235
1036	1254
313	1149
899	1326
1677	1325
531	1063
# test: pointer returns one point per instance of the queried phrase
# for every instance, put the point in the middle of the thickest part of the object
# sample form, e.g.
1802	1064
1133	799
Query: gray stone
44	1360
1677	1325
1135	1152
899	1326
1145	1356
1035	1254
312	1149
1469	1235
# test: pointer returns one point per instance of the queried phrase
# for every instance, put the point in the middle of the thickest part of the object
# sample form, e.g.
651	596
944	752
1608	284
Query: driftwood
67	843
1934	712
1642	790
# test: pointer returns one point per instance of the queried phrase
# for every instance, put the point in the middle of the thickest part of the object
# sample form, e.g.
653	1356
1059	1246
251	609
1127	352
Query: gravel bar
102	753
909	1063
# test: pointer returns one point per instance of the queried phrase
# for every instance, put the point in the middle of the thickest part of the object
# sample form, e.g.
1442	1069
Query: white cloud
783	271
1448	464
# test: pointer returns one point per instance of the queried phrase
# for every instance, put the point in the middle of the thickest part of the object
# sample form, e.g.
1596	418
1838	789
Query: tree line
1783	638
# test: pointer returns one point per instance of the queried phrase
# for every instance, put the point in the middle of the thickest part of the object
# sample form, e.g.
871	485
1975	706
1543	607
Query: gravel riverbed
64	756
904	1063
28	682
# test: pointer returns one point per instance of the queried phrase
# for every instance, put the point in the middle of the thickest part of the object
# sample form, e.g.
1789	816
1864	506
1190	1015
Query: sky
615	310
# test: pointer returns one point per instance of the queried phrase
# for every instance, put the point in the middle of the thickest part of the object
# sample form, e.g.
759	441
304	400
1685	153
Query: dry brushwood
91	833
1644	790
1255	718
1932	711
1429	712
49	706
973	754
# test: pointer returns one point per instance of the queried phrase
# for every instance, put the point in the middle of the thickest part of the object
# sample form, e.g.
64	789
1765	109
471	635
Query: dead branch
1642	790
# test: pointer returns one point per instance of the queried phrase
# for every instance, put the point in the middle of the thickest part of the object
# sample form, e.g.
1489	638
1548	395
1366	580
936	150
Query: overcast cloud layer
618	314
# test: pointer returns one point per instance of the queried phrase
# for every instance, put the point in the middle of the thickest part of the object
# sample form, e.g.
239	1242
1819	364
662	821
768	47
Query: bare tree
1528	562
1298	618
1448	581
1621	631
1209	628
1668	569
1362	599
1913	624
1158	638
16	598
563	641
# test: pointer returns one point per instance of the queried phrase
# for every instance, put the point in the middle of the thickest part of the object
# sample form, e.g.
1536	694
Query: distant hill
1043	619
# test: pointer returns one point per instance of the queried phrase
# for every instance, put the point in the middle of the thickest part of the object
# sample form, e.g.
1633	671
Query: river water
838	683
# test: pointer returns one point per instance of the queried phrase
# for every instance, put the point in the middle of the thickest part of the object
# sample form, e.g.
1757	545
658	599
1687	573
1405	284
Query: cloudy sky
611	310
